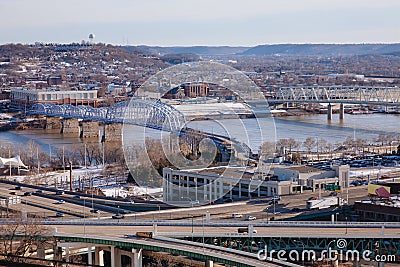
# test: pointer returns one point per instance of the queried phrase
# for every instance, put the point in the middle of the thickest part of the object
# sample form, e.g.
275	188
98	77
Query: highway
273	231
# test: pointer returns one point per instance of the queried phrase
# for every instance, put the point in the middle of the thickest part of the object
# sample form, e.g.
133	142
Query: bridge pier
99	256
136	260
70	126
90	129
112	132
53	123
209	263
115	257
329	112
341	112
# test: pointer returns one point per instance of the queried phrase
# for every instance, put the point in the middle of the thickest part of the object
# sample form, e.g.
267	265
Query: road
305	232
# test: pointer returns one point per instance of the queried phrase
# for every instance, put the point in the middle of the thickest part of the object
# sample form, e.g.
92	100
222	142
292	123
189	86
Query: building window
48	96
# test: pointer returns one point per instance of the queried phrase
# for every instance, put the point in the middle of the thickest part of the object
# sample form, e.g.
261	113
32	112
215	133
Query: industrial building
226	182
22	98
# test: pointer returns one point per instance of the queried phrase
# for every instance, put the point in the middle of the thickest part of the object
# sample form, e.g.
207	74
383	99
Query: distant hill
199	50
322	49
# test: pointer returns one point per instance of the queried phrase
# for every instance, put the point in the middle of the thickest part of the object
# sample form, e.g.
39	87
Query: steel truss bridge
147	113
368	95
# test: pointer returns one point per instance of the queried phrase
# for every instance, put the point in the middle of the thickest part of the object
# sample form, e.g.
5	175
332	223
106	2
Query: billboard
379	190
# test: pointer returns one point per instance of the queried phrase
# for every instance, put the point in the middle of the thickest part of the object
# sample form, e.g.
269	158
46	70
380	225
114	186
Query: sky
200	22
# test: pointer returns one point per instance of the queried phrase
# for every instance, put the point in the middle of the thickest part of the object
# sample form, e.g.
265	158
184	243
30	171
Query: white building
209	184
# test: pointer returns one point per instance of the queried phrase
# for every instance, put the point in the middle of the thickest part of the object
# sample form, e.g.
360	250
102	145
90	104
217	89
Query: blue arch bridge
150	113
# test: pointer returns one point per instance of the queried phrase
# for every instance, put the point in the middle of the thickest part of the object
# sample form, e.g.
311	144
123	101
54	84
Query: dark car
118	216
77	197
18	187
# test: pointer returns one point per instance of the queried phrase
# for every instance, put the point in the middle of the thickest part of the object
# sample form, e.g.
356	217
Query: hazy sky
200	22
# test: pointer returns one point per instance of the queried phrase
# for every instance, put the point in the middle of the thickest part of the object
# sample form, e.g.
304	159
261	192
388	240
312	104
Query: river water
251	131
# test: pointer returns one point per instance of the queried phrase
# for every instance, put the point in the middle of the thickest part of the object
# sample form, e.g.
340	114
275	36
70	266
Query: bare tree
20	237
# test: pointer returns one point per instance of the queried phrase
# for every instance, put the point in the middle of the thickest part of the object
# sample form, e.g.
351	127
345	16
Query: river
367	126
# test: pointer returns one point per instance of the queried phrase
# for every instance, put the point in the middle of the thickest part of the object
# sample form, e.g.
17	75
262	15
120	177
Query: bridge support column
99	256
341	112
209	263
113	132
329	112
70	126
53	123
90	256
90	129
115	257
40	251
136	260
67	253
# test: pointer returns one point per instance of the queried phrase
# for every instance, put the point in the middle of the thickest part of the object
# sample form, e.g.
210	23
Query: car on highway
276	198
18	187
250	218
77	197
59	214
60	201
118	216
59	192
27	193
94	211
237	215
333	193
312	198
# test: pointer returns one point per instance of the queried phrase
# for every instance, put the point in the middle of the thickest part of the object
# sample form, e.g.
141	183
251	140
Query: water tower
91	38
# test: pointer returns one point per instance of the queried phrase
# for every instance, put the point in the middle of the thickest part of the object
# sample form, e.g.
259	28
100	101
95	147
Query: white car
237	215
251	218
60	201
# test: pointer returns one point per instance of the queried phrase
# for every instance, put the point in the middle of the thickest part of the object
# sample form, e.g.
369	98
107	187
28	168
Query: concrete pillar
209	263
115	257
57	253
71	127
98	256
341	112
136	261
329	112
90	129
67	253
53	123
113	132
40	251
90	256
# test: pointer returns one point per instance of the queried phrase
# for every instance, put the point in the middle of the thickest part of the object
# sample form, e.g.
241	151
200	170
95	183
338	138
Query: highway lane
255	207
44	205
120	231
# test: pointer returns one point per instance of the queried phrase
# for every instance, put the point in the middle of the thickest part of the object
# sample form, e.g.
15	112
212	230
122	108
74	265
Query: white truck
324	203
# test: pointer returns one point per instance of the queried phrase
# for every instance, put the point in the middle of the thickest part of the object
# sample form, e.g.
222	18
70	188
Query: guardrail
310	224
